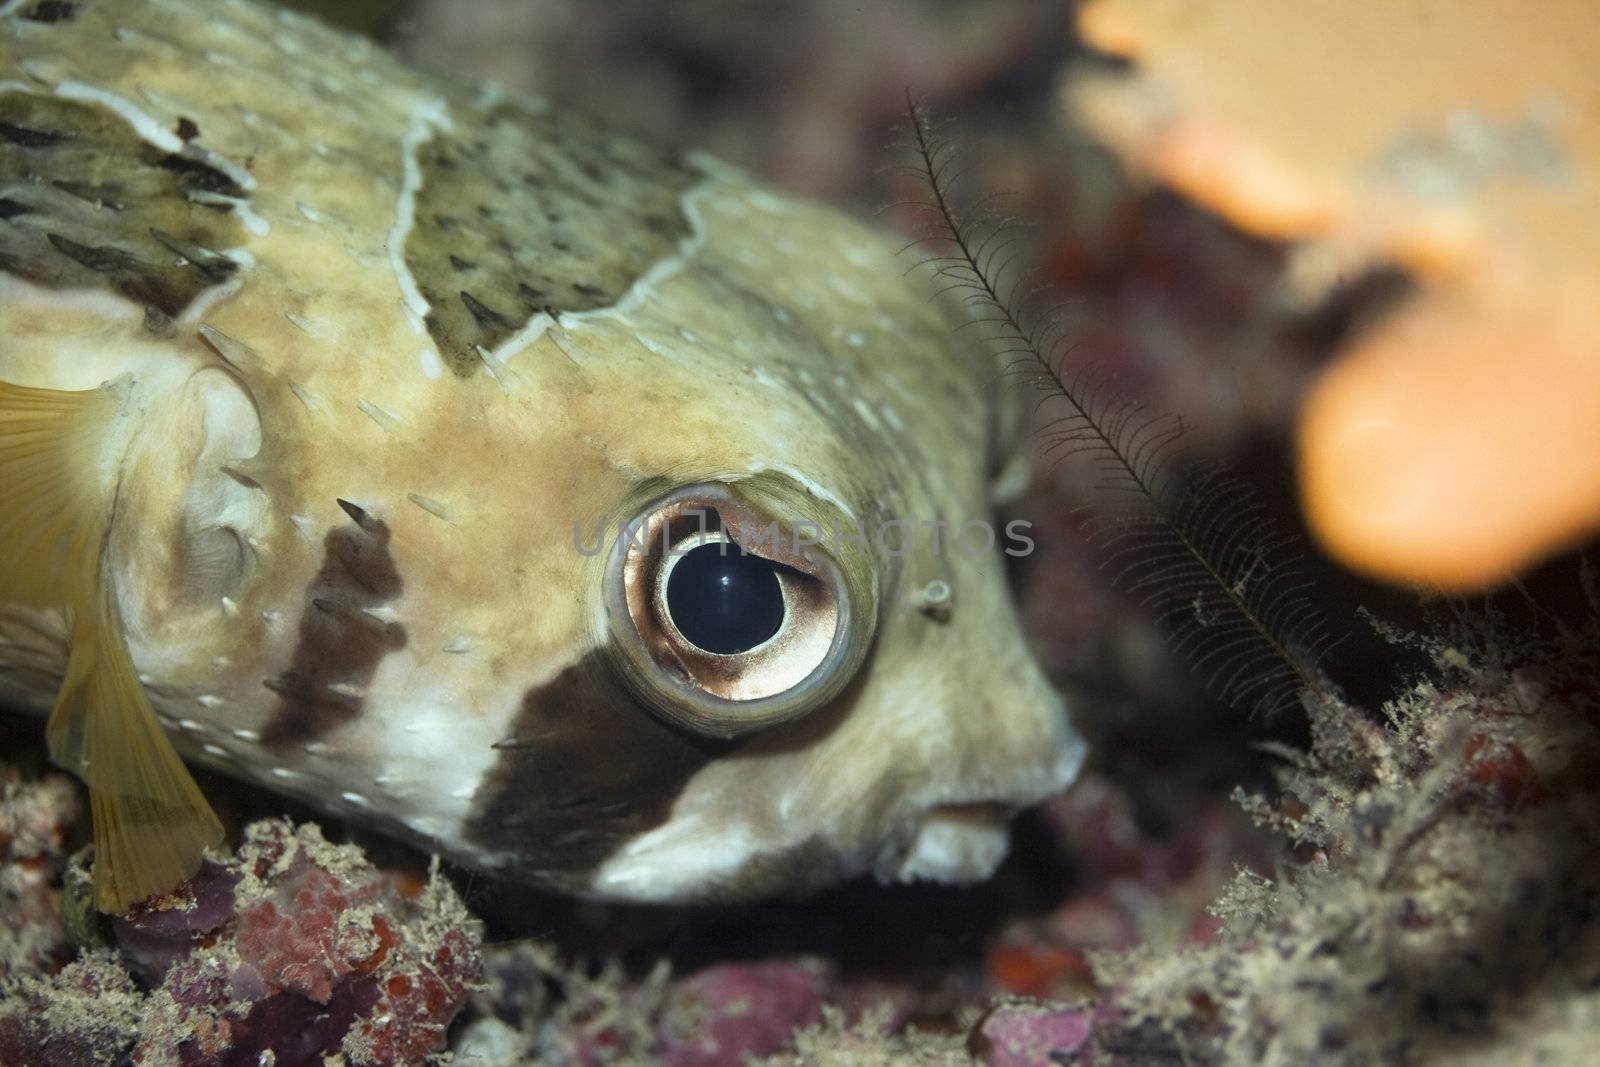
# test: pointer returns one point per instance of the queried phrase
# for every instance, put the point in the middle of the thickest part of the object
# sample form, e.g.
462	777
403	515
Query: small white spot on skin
309	401
317	748
431	506
380	415
459	646
654	346
808	301
347	689
765	201
283	773
464	792
354	798
246	735
688	335
213	750
271	617
865	410
238	355
309	213
191	726
490	364
857	256
431	366
383	614
44	71
230	607
424	825
891	417
303	324
145	679
254	223
782	315
209	700
221	662
855	338
306	525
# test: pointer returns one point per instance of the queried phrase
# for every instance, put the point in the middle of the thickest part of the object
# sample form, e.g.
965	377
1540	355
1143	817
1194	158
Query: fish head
776	645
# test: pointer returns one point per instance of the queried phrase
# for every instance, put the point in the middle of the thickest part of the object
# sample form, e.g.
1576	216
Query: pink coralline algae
34	818
1024	1034
723	1014
294	952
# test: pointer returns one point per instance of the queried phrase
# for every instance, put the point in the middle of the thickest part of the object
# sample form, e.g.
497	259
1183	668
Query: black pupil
723	600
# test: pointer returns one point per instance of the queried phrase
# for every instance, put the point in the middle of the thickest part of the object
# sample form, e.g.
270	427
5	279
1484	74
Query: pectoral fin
58	457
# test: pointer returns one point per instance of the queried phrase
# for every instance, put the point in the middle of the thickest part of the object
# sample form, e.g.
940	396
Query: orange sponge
1458	441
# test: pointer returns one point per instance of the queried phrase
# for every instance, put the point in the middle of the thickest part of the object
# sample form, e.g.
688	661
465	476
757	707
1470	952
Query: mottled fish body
326	387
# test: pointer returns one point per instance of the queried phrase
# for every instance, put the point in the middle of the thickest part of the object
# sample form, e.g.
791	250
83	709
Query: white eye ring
783	677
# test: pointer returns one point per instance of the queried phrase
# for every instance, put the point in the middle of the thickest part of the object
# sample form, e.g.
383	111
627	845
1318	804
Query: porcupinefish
448	462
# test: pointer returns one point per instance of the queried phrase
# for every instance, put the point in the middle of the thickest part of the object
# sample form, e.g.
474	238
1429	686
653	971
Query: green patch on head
87	203
534	212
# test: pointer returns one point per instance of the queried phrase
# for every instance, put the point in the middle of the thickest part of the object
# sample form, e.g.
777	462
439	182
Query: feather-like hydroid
1194	544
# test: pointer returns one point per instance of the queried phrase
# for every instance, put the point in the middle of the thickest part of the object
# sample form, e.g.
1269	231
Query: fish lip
964	840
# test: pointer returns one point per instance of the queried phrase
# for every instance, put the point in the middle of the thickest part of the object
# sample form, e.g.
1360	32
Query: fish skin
343	541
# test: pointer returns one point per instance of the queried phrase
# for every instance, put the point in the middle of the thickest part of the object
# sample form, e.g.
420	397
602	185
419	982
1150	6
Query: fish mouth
954	844
960	842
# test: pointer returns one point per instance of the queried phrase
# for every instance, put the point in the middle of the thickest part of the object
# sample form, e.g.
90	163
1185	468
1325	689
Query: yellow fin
57	460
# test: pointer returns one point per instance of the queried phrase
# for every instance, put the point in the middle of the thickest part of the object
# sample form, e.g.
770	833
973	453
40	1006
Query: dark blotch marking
588	769
187	129
10	209
103	209
563	216
24	137
338	642
51	11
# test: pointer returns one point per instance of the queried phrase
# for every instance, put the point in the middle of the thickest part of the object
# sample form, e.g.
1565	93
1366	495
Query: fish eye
723	621
721	598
